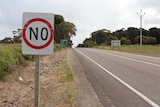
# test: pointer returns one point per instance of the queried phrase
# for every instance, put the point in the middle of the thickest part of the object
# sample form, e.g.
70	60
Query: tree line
62	30
127	36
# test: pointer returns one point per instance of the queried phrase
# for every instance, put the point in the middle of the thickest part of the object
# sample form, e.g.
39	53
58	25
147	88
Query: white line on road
149	101
157	65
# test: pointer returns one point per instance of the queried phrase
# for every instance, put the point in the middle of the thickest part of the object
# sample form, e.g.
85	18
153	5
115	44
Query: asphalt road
122	79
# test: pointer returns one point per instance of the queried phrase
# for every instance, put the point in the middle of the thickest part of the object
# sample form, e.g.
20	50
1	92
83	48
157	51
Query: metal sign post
37	39
37	70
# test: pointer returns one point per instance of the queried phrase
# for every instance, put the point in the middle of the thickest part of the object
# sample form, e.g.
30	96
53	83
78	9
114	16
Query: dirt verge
18	90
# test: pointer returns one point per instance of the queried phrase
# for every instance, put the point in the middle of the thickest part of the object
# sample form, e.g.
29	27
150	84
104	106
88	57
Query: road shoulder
86	94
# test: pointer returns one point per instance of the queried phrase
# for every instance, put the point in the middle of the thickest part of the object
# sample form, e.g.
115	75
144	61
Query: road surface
122	79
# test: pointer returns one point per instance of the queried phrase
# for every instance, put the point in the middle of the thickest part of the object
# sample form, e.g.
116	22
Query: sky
87	15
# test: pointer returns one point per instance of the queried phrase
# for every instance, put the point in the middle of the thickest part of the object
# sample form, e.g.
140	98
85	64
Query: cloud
87	15
1	16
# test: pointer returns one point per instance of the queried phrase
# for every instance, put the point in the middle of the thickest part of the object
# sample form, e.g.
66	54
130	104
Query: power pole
141	14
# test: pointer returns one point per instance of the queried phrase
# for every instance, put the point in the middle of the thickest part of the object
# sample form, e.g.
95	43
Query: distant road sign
38	33
64	42
115	43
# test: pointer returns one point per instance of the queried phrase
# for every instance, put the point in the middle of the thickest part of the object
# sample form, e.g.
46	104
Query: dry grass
65	90
57	87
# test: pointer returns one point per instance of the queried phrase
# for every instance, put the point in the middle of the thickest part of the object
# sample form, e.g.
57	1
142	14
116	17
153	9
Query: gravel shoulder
86	94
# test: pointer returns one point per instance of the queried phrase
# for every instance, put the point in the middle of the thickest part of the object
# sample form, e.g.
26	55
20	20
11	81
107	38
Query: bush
10	58
125	41
58	47
80	45
20	55
6	60
2	75
146	40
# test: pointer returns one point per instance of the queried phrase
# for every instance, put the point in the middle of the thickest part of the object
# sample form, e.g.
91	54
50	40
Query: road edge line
149	101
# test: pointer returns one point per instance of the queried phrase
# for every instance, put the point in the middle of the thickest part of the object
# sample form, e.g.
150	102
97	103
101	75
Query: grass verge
152	50
11	58
65	90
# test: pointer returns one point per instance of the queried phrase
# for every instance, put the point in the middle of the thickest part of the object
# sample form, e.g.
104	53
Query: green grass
11	58
58	47
152	50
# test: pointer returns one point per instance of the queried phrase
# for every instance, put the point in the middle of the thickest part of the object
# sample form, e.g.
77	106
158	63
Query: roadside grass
151	50
11	58
103	47
65	91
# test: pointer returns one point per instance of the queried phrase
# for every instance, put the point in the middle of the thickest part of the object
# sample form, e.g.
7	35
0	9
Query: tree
146	40
7	40
88	42
64	30
108	39
132	33
125	41
80	45
58	19
120	33
155	32
100	36
145	32
17	35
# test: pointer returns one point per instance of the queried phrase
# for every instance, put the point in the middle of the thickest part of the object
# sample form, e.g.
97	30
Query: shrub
6	60
58	47
10	58
146	40
80	45
125	41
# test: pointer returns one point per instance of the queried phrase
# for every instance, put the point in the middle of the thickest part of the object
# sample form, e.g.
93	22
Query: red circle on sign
24	33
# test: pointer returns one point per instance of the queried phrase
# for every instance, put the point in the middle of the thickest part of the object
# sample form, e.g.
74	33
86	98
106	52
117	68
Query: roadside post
37	39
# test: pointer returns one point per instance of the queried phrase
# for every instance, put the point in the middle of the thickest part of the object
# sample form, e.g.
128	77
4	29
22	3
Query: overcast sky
87	15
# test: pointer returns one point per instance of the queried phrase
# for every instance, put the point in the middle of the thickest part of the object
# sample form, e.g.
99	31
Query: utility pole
141	14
